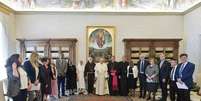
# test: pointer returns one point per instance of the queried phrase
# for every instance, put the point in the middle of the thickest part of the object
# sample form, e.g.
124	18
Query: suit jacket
146	63
187	74
61	65
30	71
164	70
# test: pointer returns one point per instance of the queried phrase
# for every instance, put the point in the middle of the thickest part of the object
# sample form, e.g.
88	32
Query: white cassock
80	74
101	74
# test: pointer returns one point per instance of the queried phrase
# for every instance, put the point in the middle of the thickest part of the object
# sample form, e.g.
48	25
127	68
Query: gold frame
111	29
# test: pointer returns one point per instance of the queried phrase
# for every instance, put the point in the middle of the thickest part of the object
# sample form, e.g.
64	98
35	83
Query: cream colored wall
192	30
71	25
9	22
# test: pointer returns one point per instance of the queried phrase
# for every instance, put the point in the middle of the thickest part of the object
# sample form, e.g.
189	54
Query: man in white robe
101	75
80	77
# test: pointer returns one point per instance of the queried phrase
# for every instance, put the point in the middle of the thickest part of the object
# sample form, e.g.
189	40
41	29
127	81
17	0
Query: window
3	52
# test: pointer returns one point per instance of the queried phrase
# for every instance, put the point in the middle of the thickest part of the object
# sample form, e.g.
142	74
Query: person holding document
184	76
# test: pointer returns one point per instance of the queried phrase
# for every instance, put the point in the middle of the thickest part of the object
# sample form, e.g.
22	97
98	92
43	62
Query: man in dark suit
184	75
164	69
142	64
173	86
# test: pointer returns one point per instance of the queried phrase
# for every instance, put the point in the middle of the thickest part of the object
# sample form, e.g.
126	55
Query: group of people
37	78
33	80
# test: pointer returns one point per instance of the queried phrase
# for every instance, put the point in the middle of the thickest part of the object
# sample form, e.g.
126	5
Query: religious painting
100	41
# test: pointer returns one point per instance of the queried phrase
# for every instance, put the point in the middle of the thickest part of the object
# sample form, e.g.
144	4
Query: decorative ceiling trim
192	8
98	13
5	9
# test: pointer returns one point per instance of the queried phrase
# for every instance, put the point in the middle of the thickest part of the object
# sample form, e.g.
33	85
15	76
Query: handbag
13	85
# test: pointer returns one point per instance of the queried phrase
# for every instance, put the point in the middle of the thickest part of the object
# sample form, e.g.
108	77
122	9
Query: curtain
3	47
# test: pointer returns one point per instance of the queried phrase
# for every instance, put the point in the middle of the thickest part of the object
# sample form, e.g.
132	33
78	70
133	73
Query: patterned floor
194	97
98	98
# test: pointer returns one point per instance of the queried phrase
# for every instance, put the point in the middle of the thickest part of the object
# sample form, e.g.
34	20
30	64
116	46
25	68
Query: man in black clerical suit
164	70
123	76
173	86
113	77
142	64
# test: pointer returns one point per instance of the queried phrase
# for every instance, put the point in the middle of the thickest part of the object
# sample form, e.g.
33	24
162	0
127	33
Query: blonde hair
54	65
34	59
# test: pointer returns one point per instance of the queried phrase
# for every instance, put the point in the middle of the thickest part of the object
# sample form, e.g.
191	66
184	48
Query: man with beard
89	74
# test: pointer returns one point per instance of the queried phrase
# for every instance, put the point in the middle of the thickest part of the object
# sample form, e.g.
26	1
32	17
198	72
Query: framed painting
100	41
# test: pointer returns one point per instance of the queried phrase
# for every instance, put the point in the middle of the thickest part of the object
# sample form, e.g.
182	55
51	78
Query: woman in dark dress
132	74
152	74
71	76
45	78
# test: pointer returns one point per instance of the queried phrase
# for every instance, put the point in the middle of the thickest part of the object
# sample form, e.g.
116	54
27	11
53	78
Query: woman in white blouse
132	75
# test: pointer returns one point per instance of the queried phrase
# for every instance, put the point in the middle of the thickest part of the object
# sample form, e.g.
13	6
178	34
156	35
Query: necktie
161	64
142	67
181	70
172	74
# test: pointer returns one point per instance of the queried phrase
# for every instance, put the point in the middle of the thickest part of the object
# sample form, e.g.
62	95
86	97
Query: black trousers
183	95
90	82
163	86
22	96
173	90
142	79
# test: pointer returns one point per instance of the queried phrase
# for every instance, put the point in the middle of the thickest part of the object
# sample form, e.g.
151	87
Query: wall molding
5	9
192	8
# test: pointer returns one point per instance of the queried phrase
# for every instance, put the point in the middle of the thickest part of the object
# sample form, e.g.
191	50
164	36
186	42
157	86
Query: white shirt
183	65
162	61
23	78
173	72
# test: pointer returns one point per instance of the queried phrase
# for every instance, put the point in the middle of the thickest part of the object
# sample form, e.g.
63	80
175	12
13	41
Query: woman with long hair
71	78
54	81
32	68
45	77
17	78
